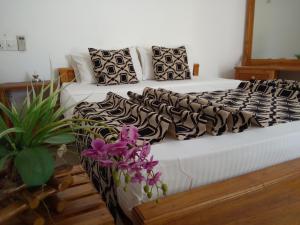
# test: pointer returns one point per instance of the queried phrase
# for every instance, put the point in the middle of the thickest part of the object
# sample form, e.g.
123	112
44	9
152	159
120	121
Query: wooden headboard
66	75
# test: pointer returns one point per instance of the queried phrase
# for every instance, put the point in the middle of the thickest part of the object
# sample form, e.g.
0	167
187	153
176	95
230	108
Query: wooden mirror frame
288	64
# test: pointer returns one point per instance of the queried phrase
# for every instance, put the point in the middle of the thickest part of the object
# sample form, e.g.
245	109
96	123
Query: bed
190	164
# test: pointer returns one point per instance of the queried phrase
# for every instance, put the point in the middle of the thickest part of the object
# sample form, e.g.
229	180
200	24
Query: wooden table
6	88
81	205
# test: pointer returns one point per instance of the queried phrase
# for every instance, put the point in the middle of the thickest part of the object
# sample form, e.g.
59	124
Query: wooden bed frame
266	197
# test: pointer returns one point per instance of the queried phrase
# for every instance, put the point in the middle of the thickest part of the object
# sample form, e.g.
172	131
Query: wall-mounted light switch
21	43
11	45
2	45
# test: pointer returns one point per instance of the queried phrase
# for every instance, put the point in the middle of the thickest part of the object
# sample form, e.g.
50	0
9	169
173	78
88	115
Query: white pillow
146	61
136	63
83	67
75	68
147	65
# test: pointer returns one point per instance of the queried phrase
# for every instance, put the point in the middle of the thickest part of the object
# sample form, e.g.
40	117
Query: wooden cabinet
255	73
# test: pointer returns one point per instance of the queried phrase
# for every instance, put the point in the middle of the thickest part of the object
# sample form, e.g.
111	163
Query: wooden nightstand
6	88
255	73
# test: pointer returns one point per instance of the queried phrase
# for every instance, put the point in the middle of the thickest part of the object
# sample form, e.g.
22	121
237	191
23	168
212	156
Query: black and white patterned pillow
170	63
113	67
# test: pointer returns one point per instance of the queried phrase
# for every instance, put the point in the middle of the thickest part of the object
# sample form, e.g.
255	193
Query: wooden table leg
4	100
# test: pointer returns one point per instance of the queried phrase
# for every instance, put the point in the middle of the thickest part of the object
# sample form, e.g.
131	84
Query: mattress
192	163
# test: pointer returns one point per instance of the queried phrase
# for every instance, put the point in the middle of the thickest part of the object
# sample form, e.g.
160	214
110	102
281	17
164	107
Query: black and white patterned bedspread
268	109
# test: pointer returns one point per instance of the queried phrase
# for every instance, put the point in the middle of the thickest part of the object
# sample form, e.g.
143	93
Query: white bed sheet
192	163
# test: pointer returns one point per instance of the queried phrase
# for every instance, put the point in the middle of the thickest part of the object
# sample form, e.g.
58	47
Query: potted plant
35	129
298	56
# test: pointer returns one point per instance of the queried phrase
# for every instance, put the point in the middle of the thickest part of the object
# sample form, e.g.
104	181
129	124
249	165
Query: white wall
213	29
276	29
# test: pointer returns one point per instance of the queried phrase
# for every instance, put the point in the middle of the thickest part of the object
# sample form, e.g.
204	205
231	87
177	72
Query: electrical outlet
2	45
21	43
11	45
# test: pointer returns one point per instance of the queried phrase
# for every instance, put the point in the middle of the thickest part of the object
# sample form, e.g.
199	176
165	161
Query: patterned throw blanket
159	112
233	110
115	111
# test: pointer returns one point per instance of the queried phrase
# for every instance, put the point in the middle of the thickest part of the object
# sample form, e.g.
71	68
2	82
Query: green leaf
35	166
5	154
3	125
61	139
3	161
10	130
3	151
9	114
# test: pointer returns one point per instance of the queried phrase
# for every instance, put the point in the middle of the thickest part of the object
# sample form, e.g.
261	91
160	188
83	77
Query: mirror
272	36
276	32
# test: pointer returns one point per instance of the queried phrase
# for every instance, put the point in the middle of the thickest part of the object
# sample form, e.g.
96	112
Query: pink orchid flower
98	148
137	178
122	165
150	165
145	150
152	181
117	149
129	134
105	163
127	158
98	144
